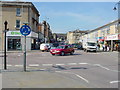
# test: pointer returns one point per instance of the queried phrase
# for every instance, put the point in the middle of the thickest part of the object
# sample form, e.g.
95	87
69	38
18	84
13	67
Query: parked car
45	47
79	47
62	50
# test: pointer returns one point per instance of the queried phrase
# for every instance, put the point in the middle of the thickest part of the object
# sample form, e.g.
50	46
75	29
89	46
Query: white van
90	45
43	47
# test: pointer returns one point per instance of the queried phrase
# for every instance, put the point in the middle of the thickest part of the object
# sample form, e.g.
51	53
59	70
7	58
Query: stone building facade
16	14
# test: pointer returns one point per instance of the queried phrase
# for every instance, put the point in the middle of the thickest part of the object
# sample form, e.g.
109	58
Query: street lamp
117	8
118	24
5	31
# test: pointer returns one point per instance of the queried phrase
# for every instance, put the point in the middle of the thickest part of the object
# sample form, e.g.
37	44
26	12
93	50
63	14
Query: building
74	36
44	28
107	34
59	37
16	14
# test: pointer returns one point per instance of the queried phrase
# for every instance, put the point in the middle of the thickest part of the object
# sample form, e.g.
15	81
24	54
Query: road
86	70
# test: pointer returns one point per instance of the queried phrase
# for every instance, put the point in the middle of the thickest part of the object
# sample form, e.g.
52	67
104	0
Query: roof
19	3
103	26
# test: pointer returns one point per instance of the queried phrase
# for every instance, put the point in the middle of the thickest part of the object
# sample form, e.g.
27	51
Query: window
116	28
18	11
108	31
17	23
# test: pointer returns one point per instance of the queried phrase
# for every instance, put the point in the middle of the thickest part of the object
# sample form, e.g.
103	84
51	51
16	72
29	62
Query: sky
69	16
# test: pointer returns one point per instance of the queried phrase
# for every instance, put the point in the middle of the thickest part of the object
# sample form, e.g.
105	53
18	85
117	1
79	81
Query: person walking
103	46
108	48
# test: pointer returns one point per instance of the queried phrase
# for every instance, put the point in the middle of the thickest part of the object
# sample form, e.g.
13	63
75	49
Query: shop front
100	41
113	40
15	41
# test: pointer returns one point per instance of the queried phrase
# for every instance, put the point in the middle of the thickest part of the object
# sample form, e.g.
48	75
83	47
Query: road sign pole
25	55
25	30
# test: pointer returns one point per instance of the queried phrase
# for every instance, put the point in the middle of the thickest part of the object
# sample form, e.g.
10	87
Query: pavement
44	80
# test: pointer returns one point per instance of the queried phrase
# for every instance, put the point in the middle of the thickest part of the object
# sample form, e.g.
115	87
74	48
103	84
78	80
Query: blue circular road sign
25	30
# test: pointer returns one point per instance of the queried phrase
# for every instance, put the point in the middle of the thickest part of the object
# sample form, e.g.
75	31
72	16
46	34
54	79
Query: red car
62	50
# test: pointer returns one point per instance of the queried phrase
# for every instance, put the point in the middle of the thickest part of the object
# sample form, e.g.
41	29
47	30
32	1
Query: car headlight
57	51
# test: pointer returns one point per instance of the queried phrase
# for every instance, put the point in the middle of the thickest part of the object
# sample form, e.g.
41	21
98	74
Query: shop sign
112	37
17	33
100	38
14	33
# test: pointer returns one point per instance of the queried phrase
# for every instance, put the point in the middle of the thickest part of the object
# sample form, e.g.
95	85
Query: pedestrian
103	46
116	46
98	47
108	48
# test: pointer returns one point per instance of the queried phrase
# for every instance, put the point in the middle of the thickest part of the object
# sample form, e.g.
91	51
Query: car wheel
62	53
42	50
53	54
71	53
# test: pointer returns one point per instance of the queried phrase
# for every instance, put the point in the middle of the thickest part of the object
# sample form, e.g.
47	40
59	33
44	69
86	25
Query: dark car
79	47
62	50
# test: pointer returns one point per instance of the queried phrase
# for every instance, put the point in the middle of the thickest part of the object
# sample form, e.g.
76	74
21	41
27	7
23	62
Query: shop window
17	23
18	11
14	44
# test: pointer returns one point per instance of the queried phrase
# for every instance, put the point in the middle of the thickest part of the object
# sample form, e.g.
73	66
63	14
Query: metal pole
5	66
111	45
119	17
25	55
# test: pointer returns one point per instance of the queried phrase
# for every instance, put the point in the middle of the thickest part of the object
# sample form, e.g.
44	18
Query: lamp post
118	24
5	31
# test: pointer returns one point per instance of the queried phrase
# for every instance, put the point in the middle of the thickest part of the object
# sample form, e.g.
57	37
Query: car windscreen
91	44
60	47
53	48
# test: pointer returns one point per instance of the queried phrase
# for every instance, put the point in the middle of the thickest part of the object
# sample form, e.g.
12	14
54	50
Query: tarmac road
81	70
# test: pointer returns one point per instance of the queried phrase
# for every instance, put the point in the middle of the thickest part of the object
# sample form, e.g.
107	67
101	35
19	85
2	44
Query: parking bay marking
75	75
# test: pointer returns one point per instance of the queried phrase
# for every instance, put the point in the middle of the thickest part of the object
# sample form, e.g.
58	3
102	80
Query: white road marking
83	63
9	65
114	81
18	65
19	55
75	75
102	66
42	69
105	68
72	63
82	78
60	64
33	65
47	64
